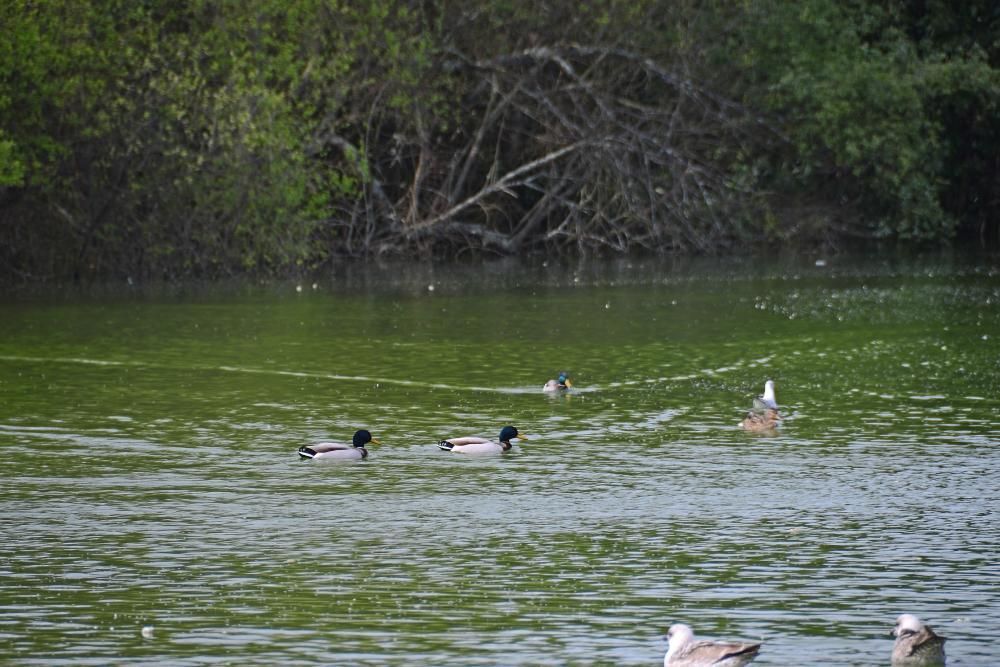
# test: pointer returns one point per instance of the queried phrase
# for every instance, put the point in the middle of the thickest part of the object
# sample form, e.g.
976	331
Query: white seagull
685	651
767	401
916	644
764	416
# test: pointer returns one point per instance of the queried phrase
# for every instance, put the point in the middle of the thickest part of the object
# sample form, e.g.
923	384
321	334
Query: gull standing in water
764	415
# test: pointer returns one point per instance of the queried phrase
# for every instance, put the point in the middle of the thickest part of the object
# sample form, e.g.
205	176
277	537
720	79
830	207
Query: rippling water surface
150	478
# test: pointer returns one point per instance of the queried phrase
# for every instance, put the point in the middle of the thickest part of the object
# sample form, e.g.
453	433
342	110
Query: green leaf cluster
188	138
203	137
873	98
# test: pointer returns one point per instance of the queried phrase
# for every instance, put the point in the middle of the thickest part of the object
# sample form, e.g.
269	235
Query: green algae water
153	509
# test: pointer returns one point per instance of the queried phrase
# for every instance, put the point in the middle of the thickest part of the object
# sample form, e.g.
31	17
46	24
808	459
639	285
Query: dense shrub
201	138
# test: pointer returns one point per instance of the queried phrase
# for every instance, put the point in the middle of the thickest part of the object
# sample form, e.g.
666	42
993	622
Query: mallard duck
916	644
764	415
562	384
766	420
340	450
475	445
684	651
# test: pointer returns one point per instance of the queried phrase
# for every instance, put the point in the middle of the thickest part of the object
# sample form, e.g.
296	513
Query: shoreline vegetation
200	139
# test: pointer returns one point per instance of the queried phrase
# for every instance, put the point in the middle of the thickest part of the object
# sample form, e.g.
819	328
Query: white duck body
562	384
478	446
474	445
338	450
685	651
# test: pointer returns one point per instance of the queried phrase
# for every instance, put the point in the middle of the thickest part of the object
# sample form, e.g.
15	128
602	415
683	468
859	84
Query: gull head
907	624
679	635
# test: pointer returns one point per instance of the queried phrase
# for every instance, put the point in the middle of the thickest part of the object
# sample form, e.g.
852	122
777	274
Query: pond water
151	481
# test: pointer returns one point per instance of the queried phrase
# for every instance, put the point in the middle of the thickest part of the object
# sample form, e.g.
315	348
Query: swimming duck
684	651
764	415
916	644
766	420
562	384
475	445
340	450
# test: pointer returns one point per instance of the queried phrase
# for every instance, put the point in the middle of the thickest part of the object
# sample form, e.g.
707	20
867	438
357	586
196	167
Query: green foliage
882	104
203	137
11	166
853	113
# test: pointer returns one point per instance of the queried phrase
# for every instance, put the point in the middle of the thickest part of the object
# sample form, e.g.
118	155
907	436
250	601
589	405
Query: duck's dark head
508	432
564	379
362	438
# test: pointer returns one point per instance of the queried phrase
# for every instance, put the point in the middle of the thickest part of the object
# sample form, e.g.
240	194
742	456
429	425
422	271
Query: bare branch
502	185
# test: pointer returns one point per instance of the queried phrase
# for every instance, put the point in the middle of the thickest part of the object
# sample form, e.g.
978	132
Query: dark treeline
161	139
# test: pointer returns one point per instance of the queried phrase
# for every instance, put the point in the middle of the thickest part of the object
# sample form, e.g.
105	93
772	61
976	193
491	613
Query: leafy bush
169	139
872	114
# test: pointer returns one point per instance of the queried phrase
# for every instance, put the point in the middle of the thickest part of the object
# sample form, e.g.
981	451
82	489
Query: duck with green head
561	384
482	446
340	451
